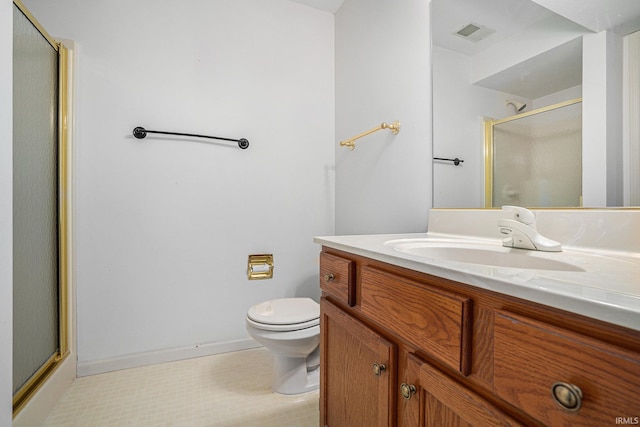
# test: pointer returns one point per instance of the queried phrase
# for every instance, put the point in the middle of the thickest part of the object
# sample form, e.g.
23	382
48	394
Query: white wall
615	168
602	119
6	212
164	225
382	75
631	119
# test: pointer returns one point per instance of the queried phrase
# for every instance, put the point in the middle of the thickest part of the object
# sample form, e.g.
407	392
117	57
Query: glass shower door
36	214
535	159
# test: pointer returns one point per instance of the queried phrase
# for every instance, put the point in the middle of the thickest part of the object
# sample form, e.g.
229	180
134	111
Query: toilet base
290	376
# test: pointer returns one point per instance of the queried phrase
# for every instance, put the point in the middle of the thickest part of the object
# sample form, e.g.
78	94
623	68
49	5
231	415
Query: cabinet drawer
531	356
436	321
336	277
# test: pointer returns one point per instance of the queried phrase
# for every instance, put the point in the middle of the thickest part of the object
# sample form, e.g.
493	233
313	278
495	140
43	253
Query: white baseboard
36	411
161	356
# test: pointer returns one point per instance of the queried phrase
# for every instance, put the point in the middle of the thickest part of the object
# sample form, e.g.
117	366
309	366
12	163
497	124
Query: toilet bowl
290	329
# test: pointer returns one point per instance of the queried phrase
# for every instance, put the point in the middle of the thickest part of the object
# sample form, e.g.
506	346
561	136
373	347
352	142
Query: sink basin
487	254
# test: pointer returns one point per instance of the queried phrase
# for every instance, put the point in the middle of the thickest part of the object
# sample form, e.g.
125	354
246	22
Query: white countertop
608	289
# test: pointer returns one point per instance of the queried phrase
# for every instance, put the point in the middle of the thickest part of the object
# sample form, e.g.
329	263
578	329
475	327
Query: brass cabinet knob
569	396
378	369
329	277
407	390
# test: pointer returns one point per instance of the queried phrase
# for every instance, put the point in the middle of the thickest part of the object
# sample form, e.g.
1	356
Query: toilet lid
285	311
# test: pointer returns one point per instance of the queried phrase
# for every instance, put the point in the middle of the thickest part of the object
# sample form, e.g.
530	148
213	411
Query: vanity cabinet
400	347
357	378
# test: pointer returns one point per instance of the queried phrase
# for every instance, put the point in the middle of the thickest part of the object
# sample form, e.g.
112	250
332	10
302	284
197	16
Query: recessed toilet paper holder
260	266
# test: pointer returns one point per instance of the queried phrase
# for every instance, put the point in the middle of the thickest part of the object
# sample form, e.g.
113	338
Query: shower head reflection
519	106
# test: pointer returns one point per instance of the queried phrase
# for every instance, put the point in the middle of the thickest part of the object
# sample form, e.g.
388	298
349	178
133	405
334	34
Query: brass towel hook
351	142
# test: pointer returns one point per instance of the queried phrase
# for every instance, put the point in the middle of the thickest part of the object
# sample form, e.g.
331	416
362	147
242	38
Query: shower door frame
23	395
488	144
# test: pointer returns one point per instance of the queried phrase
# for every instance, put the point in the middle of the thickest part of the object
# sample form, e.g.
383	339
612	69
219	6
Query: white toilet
290	328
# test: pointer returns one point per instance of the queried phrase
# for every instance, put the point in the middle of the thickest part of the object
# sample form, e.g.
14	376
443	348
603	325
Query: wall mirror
500	60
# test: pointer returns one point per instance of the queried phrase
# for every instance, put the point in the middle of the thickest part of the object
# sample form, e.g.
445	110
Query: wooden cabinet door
357	372
410	392
439	401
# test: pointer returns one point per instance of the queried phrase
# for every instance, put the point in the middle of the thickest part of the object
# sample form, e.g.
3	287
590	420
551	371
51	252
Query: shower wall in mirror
494	59
535	159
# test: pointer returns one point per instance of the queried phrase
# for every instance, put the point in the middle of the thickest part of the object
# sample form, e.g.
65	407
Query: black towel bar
455	161
140	132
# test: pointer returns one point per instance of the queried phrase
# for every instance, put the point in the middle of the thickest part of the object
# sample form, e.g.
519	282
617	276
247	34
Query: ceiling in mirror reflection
548	72
505	17
622	16
552	70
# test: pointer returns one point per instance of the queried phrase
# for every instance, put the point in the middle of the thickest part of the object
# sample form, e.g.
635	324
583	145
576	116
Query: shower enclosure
535	159
39	216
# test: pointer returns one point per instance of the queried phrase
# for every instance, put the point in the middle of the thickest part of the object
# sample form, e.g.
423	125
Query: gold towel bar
351	142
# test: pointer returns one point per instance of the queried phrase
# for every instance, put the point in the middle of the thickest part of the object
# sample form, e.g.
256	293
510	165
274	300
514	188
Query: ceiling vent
474	32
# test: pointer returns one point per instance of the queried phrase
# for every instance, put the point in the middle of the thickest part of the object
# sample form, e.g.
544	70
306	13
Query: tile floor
225	390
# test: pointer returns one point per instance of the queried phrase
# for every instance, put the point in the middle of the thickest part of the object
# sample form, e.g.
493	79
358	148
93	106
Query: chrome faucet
521	232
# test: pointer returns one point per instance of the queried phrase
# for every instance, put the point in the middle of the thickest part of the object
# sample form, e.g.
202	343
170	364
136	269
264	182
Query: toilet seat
284	314
283	328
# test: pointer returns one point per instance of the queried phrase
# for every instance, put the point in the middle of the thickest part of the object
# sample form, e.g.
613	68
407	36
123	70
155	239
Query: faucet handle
522	215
